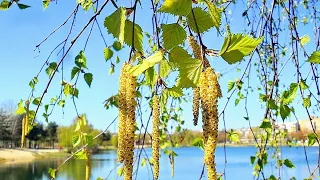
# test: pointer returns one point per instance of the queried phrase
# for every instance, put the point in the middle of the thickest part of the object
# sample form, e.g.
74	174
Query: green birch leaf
117	45
284	111
45	4
238	46
151	77
198	142
252	159
184	83
4	5
120	171
311	139
20	109
303	84
288	163
315	57
138	35
289	95
265	124
203	19
226	42
115	23
111	70
81	60
147	63
88	139
231	85
173	35
22	6
74	71
304	40
88	78
164	68
61	102
143	162
191	69
234	137
177	55
108	53
51	68
80	155
176	7
36	101
306	102
52	172
215	13
174	92
76	140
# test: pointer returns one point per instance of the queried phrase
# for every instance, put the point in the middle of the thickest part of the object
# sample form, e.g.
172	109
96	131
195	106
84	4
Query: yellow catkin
197	51
130	125
210	92
26	126
22	132
155	135
122	112
195	47
88	165
203	89
195	105
128	166
26	121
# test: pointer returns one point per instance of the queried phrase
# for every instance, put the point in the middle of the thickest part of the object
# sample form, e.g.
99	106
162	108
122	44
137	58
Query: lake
188	165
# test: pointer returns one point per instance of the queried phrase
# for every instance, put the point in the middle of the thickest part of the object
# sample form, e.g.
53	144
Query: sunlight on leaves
176	7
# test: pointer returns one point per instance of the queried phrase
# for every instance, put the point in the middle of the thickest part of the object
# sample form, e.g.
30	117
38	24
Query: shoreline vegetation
18	155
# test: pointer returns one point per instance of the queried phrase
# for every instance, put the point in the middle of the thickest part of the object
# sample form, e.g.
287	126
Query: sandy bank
23	155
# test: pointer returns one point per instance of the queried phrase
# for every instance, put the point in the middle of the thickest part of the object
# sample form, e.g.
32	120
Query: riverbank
27	155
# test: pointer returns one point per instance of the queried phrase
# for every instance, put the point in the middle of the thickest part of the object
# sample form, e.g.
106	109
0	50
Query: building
302	125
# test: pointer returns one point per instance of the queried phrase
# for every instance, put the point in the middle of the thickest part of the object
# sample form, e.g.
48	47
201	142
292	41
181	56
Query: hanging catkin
155	135
209	93
196	96
122	112
195	105
129	124
22	132
88	165
197	51
203	89
26	124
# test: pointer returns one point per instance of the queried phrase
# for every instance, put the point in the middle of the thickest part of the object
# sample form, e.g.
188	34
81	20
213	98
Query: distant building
302	125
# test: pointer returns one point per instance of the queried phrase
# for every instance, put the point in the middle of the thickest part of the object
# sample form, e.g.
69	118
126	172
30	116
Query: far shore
18	155
11	156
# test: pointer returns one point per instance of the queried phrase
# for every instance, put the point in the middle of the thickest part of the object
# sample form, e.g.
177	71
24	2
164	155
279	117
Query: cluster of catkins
25	124
155	135
208	93
127	104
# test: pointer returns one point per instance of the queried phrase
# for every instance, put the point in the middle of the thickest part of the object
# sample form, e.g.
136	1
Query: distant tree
299	135
65	134
37	133
221	137
51	131
114	140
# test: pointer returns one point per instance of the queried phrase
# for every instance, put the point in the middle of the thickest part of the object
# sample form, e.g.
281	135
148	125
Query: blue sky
22	30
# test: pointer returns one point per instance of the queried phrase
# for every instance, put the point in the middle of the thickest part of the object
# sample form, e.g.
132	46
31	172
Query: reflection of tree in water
74	169
29	171
38	170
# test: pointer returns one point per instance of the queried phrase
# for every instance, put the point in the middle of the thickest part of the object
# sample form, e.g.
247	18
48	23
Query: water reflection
188	165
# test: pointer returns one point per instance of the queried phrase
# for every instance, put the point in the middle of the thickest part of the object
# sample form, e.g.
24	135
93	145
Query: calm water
188	165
